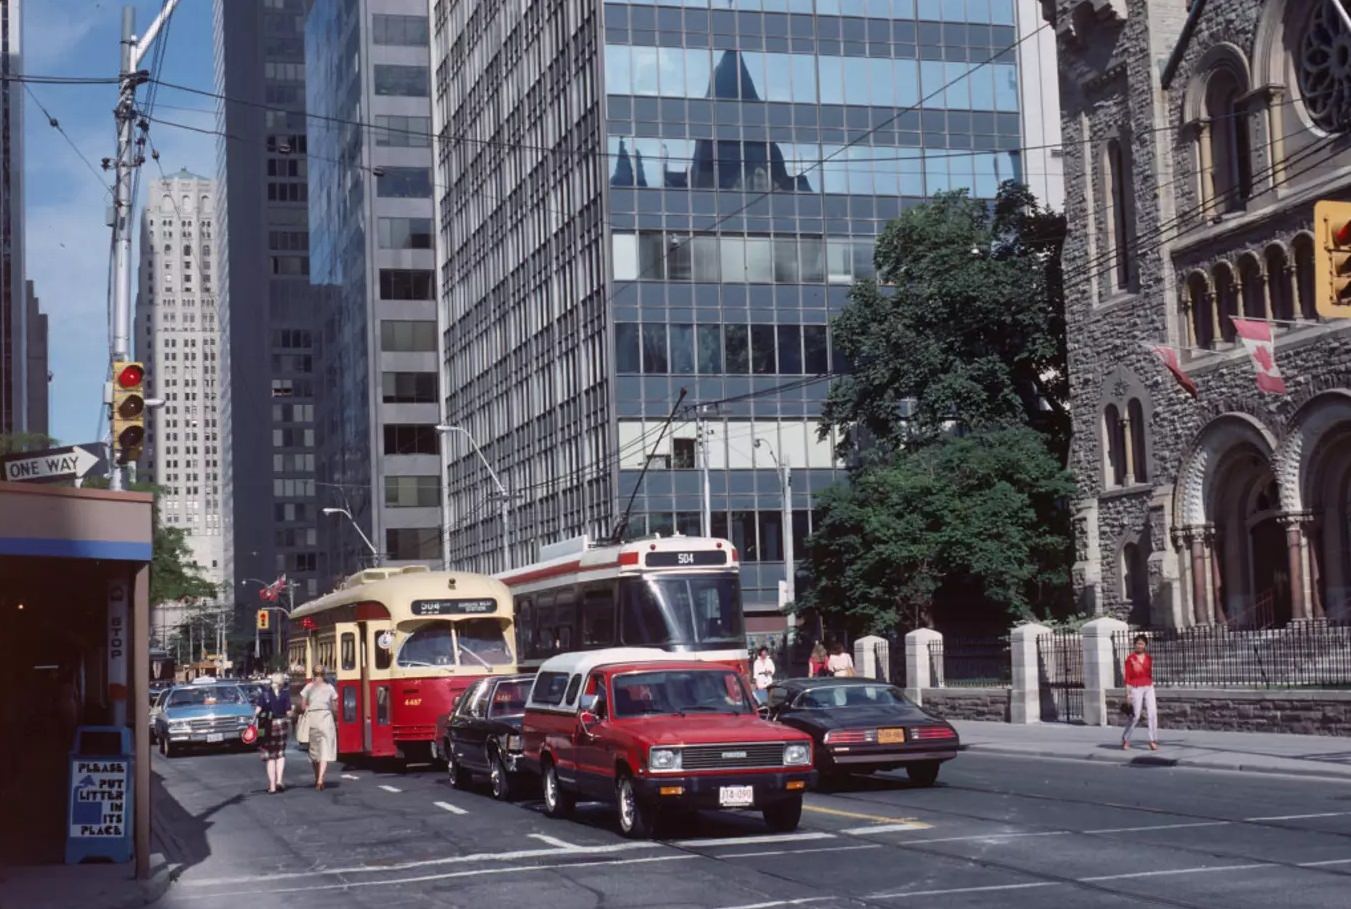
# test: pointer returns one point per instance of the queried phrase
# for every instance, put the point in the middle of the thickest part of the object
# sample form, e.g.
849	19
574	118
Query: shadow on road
177	833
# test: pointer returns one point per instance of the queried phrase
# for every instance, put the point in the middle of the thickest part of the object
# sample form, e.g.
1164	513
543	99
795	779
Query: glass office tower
645	198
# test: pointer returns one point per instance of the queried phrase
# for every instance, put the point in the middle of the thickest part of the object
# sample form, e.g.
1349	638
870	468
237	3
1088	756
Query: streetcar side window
382	654
598	614
525	627
545	641
565	618
349	650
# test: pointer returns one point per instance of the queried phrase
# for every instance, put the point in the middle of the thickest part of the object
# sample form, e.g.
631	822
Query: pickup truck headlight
515	743
241	721
796	755
663	759
178	728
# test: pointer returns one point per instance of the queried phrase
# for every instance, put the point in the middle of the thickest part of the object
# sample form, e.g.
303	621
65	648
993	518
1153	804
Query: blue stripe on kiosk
100	796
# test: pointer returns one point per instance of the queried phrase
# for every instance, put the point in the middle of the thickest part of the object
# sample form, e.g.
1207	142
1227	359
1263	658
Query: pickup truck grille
732	757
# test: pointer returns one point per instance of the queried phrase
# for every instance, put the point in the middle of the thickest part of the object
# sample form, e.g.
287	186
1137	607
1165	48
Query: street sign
55	464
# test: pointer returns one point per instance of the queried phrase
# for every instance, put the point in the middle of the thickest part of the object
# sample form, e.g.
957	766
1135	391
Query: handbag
303	729
249	735
1125	708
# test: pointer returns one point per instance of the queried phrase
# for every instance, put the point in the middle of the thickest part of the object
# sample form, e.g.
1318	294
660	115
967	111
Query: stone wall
968	703
1305	712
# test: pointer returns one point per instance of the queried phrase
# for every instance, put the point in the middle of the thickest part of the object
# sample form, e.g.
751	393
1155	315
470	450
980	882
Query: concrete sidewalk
1262	752
85	886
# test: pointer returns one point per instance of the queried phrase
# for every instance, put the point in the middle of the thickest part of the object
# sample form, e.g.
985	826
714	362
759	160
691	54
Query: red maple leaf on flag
1264	359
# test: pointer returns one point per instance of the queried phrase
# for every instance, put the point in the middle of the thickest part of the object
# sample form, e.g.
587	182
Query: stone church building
1197	138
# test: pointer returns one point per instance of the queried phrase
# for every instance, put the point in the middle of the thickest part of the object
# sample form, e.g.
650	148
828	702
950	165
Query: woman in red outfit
1140	690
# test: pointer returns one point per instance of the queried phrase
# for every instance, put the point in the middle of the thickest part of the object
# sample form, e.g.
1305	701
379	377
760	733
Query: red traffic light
131	375
1342	234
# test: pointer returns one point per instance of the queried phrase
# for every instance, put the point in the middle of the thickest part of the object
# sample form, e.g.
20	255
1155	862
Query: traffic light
128	410
262	620
1332	259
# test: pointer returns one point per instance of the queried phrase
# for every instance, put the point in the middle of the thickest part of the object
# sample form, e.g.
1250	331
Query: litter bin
100	796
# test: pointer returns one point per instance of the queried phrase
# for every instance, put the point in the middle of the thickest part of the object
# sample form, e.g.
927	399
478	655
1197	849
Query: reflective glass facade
708	182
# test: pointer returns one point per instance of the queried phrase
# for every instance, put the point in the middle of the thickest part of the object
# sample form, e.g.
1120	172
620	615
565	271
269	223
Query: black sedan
483	733
862	726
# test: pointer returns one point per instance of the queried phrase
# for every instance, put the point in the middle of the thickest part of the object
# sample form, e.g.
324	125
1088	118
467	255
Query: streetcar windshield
676	609
479	642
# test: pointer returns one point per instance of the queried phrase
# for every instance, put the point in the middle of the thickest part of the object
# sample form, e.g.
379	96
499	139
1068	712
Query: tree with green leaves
20	442
956	406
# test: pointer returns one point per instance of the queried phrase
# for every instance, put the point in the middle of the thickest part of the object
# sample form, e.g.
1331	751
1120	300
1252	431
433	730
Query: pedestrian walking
317	700
818	662
1139	673
762	670
271	710
840	663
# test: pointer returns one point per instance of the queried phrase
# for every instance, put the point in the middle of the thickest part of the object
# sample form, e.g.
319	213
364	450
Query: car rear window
549	688
509	699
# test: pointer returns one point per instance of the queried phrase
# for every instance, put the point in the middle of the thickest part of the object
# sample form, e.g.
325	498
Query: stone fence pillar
871	657
918	669
1099	667
1025	691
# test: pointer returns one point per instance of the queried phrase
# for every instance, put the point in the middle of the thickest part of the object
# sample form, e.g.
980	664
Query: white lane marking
422	863
1161	827
447	806
732	855
985	836
390	788
1164	872
1346	861
1297	817
798	902
553	841
350	776
987	889
477	872
877	828
754	840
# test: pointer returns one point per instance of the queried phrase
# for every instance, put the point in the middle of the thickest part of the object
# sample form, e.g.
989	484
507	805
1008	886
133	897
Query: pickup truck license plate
890	736
213	737
736	796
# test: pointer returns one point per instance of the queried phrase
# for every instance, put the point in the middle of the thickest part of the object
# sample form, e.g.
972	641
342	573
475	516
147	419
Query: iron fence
1301	655
971	662
1060	669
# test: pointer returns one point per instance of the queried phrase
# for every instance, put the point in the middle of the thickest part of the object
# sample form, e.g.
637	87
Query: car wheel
923	773
635	817
499	778
785	815
458	777
169	749
557	802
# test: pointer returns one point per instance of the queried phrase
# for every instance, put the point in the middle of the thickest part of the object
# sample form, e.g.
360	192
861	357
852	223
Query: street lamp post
505	497
375	554
786	486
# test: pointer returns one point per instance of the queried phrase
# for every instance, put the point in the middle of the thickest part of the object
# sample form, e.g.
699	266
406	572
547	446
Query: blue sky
66	239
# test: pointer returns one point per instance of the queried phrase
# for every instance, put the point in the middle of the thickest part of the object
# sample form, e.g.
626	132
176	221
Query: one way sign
55	464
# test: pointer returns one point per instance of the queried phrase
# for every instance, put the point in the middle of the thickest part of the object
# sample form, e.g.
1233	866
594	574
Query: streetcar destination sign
478	606
679	559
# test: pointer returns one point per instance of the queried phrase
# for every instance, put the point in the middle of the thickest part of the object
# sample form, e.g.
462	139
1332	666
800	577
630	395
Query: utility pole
706	514
128	158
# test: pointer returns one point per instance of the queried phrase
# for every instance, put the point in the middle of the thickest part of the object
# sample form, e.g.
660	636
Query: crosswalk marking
350	776
390	788
884	828
447	806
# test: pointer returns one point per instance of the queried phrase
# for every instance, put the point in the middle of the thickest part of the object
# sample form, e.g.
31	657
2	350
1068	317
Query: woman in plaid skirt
272	711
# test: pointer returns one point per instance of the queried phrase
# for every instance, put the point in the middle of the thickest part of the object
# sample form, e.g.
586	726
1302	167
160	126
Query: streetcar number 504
685	558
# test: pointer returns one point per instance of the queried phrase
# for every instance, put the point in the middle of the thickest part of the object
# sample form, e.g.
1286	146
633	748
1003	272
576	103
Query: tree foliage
20	442
964	324
971	522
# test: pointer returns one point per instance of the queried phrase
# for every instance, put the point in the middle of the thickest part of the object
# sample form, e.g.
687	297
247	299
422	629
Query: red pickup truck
649	731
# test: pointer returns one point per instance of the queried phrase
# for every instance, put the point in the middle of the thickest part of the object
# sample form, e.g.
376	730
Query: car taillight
928	733
850	736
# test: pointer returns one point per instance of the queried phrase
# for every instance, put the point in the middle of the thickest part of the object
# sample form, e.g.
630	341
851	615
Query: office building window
398	79
407	31
404	183
409	387
405	284
404	335
412	492
412	543
410	438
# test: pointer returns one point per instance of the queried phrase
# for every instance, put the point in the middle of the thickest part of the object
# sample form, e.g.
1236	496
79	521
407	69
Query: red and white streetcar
680	594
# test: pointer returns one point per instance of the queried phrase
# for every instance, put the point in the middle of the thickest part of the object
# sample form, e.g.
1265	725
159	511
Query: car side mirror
765	711
588	721
588	703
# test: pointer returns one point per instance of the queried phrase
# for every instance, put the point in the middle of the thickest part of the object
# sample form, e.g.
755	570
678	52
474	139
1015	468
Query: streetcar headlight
515	743
796	755
663	759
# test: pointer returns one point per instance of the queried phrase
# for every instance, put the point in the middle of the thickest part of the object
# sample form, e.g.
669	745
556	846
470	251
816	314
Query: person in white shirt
763	672
840	662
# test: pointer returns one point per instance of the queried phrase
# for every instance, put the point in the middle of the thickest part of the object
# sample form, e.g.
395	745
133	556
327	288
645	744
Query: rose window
1324	69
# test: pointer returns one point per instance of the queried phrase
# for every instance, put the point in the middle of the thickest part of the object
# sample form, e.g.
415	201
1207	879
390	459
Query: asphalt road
997	831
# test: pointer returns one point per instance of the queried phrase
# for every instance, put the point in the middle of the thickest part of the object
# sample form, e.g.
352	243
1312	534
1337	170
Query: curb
1151	760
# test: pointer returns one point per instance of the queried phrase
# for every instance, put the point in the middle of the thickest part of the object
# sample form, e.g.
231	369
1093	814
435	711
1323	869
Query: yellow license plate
890	736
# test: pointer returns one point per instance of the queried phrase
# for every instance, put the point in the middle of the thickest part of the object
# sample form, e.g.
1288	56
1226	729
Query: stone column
1025	692
870	657
1128	447
1295	550
1099	667
1200	573
917	668
1218	616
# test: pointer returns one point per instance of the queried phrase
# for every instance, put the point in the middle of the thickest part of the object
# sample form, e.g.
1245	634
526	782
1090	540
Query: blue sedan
212	714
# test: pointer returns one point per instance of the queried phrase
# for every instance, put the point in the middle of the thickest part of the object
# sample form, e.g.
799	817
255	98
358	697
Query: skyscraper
38	353
636	199
14	330
371	257
267	309
177	337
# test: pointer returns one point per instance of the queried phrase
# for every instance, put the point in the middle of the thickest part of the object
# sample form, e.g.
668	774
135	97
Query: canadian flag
1174	363
1261	345
273	591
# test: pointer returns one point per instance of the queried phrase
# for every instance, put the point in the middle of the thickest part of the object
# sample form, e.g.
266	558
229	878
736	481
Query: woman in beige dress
318	699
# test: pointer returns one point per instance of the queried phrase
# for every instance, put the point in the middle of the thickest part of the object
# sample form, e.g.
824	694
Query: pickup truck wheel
924	773
635	818
499	778
557	802
457	776
784	816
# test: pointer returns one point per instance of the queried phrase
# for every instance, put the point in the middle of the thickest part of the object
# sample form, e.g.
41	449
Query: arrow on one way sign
68	463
